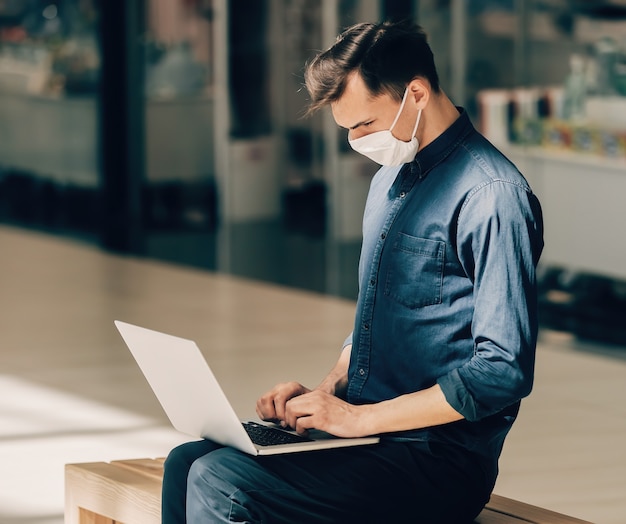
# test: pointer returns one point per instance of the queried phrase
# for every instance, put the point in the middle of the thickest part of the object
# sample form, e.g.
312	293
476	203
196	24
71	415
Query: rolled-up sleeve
499	241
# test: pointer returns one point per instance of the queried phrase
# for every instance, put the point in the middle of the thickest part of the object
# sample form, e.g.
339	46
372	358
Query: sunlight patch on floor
42	429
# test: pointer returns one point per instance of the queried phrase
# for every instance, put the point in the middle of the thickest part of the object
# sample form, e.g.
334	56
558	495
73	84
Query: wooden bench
129	492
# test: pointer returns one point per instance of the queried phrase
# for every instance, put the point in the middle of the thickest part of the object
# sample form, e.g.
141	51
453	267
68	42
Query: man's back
439	282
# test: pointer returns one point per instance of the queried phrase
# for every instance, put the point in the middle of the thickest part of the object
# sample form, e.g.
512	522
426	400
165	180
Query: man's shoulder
486	163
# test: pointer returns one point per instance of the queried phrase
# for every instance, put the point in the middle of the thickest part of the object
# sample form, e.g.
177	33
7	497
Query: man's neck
438	115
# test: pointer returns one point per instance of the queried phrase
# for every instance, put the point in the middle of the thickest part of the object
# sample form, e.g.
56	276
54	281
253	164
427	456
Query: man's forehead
349	113
355	86
356	104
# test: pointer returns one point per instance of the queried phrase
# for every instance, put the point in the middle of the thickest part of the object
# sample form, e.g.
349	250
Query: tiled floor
72	393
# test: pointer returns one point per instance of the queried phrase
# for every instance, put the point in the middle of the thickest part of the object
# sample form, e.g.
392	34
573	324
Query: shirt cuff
458	396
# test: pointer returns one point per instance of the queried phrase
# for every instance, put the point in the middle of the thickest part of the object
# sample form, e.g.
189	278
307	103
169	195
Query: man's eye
367	124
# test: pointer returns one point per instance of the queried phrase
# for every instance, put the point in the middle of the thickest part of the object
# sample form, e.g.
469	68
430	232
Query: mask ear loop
417	122
419	114
395	120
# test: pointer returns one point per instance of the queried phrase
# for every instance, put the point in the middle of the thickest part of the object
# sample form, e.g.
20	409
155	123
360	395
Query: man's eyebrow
356	125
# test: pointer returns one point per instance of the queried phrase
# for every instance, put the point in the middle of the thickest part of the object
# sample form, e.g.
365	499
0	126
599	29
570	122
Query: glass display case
49	82
564	123
179	185
556	107
186	122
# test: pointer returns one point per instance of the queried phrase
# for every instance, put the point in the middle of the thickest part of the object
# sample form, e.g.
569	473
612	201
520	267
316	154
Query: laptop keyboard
267	436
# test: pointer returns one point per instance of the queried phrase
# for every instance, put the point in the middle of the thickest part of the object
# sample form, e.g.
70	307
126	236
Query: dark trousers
412	482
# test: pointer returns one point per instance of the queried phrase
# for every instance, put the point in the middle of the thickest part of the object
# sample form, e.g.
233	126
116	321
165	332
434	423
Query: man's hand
321	410
293	405
271	406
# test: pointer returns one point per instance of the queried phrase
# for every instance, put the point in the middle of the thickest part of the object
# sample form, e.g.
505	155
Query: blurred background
153	153
173	129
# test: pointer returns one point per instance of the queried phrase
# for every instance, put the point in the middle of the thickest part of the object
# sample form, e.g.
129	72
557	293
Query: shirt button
366	327
402	194
383	235
372	282
361	372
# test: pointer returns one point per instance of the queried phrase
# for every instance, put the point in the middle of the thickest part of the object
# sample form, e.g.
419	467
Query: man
444	338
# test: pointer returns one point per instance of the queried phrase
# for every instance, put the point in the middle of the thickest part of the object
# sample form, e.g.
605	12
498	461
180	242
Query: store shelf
583	201
564	156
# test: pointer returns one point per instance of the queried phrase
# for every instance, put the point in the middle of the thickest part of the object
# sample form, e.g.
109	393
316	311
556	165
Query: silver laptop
196	404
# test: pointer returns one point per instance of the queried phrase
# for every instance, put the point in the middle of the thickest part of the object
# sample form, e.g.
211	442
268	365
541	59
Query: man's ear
419	92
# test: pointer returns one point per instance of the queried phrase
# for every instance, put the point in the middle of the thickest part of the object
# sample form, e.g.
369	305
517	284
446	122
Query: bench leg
88	517
112	493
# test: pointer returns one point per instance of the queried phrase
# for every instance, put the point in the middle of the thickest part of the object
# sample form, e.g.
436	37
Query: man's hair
386	55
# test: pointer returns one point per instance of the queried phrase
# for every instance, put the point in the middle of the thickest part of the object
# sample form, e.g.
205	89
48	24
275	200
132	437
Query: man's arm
336	381
271	406
324	408
320	410
294	405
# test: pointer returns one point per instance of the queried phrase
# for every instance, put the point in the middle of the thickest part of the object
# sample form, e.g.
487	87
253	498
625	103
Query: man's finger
265	408
279	409
297	408
303	424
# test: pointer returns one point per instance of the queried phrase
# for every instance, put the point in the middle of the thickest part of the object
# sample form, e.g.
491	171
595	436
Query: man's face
361	114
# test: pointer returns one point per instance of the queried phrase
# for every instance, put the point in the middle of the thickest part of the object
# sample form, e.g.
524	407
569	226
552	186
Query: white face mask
384	148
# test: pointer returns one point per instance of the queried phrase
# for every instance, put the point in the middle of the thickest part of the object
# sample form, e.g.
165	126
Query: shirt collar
442	146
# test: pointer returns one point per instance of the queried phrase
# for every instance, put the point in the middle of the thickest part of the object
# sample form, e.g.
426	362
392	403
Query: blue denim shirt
447	290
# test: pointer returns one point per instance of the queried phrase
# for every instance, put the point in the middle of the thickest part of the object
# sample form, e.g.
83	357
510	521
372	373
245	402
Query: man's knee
175	457
185	454
180	459
218	486
219	468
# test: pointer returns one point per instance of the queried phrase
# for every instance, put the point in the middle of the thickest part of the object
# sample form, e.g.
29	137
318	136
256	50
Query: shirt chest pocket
415	271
